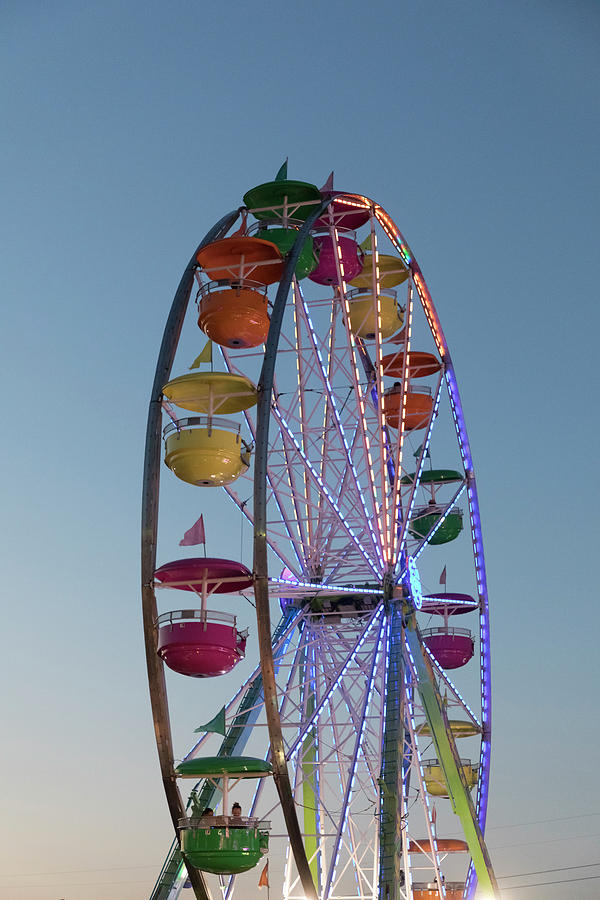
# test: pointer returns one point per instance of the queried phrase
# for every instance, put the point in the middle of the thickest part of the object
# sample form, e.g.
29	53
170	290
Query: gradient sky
129	129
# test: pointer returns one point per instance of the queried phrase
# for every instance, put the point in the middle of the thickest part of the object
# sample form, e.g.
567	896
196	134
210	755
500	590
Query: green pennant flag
216	725
417	453
282	174
204	357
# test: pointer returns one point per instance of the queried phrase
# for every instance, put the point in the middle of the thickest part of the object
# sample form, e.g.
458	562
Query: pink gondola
351	261
451	647
200	644
205	573
449	604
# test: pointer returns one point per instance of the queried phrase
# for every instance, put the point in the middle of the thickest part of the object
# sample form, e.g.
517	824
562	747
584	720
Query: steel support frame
150	497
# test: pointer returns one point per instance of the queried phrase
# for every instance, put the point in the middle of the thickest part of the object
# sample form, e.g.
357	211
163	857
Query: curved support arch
261	569
156	675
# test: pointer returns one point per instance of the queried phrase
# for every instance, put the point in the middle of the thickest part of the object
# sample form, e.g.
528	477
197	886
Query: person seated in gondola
235	819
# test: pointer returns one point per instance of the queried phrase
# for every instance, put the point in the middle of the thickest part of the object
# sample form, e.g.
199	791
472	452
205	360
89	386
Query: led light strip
401	429
244	509
442	674
336	413
317	587
325	490
356	378
332	687
440	521
352	769
303	422
383	445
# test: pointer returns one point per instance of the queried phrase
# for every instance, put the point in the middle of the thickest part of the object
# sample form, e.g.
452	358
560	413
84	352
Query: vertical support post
309	757
391	873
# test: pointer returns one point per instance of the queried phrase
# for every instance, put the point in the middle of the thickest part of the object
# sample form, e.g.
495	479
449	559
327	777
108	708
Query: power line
515	887
543	871
574	837
543	821
76	871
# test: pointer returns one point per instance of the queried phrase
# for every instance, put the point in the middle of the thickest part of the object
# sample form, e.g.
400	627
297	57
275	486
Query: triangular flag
443	577
418	452
216	725
205	356
263	881
328	186
282	174
194	535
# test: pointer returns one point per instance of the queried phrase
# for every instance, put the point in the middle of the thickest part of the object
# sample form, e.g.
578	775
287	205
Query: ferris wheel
349	457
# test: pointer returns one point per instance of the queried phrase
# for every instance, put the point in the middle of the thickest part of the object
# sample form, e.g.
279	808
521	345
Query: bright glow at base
415	583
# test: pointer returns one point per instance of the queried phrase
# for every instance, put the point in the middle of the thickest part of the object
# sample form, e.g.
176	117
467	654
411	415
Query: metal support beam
150	490
449	760
391	875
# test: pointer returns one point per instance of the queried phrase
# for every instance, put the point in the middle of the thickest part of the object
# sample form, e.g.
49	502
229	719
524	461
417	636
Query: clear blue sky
128	130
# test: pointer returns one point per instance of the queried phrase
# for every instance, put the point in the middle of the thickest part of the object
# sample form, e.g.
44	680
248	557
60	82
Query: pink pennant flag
194	535
443	577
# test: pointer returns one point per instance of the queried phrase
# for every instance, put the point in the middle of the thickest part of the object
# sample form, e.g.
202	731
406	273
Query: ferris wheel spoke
334	678
246	508
297	482
383	455
353	359
311	471
401	434
445	509
332	406
354	760
445	678
419	471
417	764
242	505
303	420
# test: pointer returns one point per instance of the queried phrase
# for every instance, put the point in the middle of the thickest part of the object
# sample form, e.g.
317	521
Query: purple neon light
316	587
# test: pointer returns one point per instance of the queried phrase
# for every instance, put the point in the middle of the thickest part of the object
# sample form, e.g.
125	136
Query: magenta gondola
214	575
449	604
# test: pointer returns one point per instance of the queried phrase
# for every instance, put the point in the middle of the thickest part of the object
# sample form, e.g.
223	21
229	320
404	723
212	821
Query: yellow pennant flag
205	356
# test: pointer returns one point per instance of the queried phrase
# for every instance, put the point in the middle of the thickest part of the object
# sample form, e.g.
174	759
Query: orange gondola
237	258
235	317
419	406
420	364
